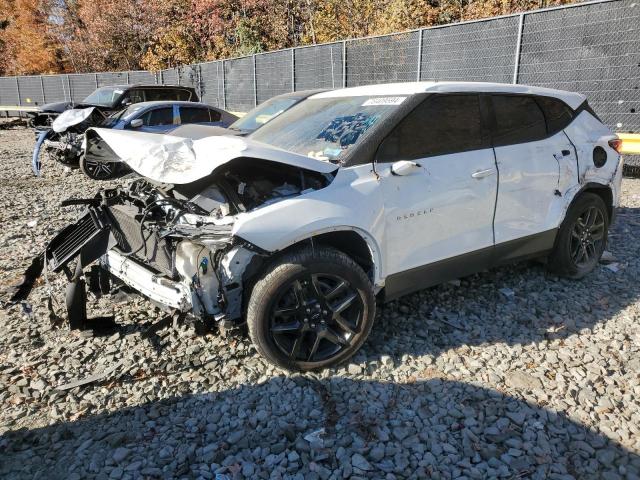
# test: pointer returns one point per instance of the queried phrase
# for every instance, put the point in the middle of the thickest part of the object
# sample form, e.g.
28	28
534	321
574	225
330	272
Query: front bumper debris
156	287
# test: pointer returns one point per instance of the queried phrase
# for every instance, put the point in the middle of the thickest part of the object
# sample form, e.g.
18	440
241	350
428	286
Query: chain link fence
590	47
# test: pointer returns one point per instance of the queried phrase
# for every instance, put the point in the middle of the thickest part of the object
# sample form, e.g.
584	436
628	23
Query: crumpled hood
72	117
179	160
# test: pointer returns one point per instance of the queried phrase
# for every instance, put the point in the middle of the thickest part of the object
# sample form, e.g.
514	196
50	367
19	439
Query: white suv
352	195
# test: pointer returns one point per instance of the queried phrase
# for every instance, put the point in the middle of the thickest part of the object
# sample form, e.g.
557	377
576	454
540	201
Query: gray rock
358	461
120	454
523	381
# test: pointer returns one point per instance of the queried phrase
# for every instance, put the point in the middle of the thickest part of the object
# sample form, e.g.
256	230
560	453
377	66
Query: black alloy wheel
315	317
587	237
98	170
582	237
312	308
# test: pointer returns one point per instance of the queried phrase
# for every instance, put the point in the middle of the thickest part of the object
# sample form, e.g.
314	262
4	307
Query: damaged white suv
353	194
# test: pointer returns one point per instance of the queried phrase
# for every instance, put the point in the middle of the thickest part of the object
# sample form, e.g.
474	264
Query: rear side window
194	115
159	116
442	124
556	112
519	119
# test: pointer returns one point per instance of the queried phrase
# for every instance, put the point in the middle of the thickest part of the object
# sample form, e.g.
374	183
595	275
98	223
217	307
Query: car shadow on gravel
423	429
517	304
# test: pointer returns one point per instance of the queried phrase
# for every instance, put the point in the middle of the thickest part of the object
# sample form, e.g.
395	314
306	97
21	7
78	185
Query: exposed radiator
141	243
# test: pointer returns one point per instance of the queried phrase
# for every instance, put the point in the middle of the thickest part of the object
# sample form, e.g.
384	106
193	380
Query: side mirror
136	123
404	167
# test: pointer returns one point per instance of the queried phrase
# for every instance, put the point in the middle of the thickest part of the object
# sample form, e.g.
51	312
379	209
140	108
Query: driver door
439	212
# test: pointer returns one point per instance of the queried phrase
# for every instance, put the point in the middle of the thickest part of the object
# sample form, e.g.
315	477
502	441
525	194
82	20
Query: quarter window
556	112
519	119
159	116
442	124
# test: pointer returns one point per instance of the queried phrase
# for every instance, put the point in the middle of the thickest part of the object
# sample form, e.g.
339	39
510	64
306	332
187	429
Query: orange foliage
26	42
41	36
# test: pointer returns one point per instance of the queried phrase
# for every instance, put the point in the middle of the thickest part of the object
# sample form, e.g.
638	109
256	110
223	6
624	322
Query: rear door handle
483	173
563	153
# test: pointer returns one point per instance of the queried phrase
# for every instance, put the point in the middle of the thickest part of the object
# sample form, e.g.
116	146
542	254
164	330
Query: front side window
440	125
134	96
327	128
519	119
159	116
194	115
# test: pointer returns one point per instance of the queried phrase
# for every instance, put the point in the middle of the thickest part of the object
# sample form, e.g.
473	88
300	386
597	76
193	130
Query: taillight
616	144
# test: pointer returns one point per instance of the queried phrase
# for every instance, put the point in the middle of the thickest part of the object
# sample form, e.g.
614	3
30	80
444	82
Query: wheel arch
352	241
355	243
603	191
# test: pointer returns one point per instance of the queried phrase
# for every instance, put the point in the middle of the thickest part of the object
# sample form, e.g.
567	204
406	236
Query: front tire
582	237
99	170
314	308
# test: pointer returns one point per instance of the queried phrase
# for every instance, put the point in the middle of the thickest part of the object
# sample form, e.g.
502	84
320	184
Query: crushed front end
172	243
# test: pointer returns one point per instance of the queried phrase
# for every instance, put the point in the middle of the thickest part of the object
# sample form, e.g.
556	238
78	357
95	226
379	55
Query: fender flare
373	245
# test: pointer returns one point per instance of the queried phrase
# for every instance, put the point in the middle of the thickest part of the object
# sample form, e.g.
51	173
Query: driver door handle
483	173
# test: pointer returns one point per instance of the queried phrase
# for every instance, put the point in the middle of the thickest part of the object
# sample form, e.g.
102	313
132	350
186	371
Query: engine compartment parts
173	243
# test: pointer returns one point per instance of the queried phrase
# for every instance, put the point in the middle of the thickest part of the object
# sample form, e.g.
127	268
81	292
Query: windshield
263	113
326	128
105	96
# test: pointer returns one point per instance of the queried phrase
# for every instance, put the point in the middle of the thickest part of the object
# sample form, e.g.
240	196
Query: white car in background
353	194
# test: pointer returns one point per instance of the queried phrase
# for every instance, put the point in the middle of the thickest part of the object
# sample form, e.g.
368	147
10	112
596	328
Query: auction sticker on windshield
383	101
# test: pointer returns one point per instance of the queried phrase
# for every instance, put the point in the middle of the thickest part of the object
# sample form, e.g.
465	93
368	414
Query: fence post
224	88
95	75
128	80
18	92
255	83
344	64
516	63
44	98
199	80
419	69
293	69
69	88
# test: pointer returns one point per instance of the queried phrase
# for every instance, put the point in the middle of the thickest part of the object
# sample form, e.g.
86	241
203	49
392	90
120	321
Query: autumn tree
39	36
26	43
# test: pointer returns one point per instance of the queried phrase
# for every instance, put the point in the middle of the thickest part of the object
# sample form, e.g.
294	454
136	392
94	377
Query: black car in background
113	98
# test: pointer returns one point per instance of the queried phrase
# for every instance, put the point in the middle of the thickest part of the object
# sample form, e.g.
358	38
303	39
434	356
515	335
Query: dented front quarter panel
348	203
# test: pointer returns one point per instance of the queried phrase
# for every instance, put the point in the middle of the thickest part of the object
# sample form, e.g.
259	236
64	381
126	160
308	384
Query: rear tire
582	237
313	308
99	170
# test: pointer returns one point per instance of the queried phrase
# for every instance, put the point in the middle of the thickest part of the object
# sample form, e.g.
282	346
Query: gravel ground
510	373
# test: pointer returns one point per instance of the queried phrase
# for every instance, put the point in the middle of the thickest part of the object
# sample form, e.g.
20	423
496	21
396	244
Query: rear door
535	163
445	209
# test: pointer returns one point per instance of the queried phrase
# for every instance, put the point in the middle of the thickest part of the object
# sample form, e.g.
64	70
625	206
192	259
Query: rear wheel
99	170
582	237
313	309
